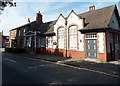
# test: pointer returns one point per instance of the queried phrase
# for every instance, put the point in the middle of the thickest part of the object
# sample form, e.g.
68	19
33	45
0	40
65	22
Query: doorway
91	46
32	44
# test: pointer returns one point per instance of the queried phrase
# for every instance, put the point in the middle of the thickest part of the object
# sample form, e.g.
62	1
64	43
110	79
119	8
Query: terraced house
4	40
16	38
94	34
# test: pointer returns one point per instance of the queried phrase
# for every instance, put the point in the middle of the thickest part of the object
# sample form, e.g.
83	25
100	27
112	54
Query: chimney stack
83	22
91	8
38	18
28	19
2	33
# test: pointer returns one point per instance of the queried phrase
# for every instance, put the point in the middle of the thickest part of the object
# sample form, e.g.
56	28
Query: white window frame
19	32
30	38
91	36
73	37
24	30
28	42
15	33
50	41
61	37
24	41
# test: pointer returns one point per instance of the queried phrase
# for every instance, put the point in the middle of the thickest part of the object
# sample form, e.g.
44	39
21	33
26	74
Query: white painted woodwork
101	42
60	22
74	19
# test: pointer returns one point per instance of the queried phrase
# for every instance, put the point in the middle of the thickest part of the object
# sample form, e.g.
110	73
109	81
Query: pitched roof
51	29
23	25
94	19
45	28
98	18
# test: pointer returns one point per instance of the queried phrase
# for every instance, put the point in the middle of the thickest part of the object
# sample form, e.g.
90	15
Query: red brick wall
76	54
61	52
27	49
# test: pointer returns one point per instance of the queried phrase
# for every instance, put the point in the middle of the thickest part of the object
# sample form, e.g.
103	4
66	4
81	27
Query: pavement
52	58
61	59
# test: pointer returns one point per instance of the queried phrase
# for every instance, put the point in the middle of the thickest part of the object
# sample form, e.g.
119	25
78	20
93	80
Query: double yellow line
66	65
100	72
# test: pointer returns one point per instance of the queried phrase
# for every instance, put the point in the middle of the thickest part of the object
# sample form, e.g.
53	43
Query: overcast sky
13	17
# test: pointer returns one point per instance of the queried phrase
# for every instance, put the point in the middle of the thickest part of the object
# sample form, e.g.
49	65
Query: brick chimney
38	18
2	33
83	22
91	8
28	19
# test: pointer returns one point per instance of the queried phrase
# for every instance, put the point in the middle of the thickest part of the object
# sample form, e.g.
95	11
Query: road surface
22	70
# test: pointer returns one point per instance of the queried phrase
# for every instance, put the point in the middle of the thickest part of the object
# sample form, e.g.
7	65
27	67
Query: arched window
73	37
61	38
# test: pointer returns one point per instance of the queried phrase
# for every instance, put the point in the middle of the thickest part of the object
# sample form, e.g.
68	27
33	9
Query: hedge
15	50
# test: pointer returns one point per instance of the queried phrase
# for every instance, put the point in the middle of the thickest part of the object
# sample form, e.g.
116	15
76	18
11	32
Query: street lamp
66	35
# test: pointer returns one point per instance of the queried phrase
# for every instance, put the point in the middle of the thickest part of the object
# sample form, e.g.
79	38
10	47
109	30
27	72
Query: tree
5	3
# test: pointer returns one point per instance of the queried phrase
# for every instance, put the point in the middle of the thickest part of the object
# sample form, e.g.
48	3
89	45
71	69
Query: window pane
94	54
88	46
94	47
61	38
88	54
91	35
50	42
73	37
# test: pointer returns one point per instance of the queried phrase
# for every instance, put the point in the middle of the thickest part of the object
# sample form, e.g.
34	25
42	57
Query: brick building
16	38
4	40
94	34
17	34
12	37
1	35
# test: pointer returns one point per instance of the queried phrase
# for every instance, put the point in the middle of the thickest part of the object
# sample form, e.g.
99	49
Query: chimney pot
28	19
91	8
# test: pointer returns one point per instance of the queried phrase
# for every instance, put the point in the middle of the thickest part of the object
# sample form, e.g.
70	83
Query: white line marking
10	60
